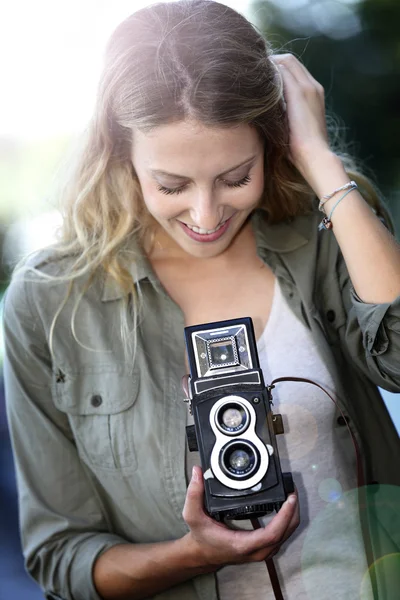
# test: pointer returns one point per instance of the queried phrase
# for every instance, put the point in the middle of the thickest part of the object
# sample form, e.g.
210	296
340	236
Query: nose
205	212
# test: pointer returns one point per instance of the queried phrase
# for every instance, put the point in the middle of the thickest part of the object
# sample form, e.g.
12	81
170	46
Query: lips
205	231
197	235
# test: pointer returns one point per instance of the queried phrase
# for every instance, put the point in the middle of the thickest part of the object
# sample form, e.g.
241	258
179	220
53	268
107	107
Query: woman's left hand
305	107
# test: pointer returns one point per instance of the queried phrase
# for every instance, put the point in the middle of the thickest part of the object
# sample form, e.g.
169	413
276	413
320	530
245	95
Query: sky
50	60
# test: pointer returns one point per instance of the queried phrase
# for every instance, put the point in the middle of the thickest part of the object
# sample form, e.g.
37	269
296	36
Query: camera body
233	427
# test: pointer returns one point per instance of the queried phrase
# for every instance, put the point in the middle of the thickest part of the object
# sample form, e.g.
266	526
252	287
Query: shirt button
342	421
96	400
330	315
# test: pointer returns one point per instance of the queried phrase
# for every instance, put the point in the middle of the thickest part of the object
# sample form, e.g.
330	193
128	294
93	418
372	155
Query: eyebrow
160	172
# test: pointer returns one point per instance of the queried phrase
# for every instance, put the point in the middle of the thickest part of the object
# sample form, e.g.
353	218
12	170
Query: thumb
194	504
197	482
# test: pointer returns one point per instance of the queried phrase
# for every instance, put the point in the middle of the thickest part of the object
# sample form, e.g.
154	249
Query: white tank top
325	557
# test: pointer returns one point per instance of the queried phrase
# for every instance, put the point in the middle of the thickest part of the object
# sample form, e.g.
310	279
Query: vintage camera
234	428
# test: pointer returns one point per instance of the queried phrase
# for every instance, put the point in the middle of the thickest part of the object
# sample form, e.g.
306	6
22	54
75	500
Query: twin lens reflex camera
234	428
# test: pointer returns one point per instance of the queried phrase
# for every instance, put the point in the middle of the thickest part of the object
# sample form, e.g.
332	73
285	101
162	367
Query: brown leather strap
360	474
273	575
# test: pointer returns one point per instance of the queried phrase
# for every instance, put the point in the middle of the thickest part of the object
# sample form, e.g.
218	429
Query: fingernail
195	475
292	499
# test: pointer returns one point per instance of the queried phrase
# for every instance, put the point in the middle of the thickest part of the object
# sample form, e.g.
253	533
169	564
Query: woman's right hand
215	545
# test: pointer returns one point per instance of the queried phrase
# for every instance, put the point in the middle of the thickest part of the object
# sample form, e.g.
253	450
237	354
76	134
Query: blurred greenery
352	47
27	170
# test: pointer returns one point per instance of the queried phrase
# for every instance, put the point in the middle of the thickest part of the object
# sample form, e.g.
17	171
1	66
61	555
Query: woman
195	199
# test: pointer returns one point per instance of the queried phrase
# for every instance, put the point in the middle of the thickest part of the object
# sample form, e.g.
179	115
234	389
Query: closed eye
231	184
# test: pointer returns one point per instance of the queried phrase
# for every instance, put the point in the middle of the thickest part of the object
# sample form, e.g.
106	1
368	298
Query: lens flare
330	490
333	558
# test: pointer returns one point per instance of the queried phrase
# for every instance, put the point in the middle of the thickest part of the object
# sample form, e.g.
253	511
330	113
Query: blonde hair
168	62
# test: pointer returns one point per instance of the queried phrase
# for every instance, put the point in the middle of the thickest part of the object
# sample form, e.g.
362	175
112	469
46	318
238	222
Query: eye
239	183
168	191
231	184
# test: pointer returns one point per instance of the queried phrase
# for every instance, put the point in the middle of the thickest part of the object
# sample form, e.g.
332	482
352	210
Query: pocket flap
100	390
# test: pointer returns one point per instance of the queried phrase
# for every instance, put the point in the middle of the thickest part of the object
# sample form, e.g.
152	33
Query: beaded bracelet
326	222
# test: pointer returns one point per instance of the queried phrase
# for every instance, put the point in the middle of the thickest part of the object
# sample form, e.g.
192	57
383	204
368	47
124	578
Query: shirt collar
280	237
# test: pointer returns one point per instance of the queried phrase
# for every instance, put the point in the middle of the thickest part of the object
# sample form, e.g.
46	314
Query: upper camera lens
232	418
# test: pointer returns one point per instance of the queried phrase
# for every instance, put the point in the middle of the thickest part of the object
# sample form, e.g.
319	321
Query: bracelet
326	223
350	184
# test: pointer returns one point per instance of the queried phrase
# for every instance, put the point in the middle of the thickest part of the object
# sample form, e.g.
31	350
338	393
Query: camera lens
232	418
239	459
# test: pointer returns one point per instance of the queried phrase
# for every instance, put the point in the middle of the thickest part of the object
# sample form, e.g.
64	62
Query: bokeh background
50	59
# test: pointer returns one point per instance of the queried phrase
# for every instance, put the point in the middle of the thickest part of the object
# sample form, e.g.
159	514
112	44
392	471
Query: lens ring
232	418
239	459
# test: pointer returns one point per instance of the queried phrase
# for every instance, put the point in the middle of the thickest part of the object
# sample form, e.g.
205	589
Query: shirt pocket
99	402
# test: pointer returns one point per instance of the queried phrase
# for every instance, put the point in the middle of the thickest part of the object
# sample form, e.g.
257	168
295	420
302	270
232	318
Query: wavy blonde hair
194	59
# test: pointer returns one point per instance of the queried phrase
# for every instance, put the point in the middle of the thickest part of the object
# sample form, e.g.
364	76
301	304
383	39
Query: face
199	183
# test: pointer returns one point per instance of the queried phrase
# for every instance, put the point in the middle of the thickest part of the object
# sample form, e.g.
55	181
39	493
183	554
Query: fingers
294	522
290	62
281	523
297	70
273	534
269	551
218	544
193	511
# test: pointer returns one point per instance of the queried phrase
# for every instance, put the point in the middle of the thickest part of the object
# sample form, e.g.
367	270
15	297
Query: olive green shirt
99	440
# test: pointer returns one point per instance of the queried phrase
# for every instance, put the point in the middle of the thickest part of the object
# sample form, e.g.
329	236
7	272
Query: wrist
325	172
193	556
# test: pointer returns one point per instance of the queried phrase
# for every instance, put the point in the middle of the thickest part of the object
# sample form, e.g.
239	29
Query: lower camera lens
239	459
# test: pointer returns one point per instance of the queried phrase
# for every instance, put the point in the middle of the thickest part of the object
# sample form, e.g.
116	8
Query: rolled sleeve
373	337
79	554
64	527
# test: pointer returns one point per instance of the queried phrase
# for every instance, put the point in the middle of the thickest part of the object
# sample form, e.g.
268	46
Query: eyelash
234	184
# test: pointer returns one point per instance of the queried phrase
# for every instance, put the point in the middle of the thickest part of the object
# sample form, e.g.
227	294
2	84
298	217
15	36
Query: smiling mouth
201	231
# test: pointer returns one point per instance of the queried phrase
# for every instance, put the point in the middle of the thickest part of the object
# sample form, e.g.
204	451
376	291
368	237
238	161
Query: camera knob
189	402
191	438
288	483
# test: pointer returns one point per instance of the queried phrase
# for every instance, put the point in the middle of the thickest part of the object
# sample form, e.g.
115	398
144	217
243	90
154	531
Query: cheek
160	205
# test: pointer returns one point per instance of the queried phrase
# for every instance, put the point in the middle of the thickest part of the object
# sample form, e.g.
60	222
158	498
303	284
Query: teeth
203	231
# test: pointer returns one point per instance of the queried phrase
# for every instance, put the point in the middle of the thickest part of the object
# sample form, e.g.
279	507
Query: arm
371	253
208	546
63	524
370	272
136	572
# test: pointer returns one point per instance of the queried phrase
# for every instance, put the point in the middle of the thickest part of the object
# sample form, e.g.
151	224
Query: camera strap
273	575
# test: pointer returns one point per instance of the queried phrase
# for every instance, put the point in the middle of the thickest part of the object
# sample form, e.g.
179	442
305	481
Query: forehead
191	145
